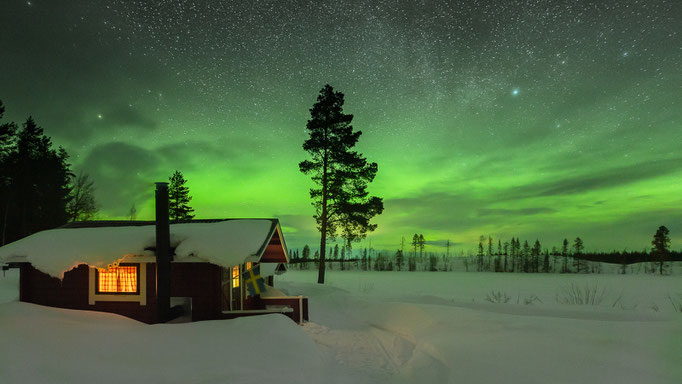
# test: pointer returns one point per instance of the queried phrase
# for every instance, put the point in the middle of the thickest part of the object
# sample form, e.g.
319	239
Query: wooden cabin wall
201	282
72	293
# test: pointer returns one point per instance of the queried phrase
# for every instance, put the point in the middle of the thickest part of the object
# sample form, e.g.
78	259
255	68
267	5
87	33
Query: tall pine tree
341	175
179	198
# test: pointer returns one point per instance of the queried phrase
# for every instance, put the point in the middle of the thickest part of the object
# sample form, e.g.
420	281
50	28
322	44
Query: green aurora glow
510	118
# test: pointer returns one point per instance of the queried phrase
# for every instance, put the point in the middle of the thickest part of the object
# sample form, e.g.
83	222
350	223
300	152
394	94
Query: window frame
137	288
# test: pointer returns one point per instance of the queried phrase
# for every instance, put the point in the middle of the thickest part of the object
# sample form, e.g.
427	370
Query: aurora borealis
538	119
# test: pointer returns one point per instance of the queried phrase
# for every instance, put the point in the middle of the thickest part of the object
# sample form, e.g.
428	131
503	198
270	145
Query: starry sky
539	119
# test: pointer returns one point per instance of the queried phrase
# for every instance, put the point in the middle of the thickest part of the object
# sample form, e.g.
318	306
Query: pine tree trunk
323	224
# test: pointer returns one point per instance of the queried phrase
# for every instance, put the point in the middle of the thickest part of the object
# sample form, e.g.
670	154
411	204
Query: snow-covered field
373	327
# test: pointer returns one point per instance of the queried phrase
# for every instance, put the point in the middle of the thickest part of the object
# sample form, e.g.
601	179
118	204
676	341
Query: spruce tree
341	199
480	254
661	243
489	253
415	244
179	198
525	256
535	252
398	260
545	262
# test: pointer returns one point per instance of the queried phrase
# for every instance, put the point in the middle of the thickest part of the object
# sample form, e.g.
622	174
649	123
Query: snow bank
224	243
49	345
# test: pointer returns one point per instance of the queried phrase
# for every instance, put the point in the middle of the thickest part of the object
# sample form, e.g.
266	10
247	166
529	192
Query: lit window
118	279
248	265
235	277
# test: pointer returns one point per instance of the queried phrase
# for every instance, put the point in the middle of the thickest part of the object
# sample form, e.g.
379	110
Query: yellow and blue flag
253	280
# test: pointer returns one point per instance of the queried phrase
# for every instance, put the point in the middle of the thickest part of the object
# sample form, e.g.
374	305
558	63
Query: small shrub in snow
365	287
531	299
576	295
677	305
497	297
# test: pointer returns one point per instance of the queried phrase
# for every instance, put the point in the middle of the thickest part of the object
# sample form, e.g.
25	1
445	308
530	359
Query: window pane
235	277
107	280
127	279
122	279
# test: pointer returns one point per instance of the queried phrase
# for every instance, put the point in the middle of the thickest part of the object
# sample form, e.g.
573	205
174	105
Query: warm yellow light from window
118	279
248	265
235	277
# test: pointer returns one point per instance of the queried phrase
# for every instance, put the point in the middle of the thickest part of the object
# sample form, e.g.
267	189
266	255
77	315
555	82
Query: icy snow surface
225	243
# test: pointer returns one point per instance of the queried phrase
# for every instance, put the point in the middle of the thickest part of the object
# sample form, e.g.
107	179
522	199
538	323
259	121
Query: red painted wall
200	281
72	292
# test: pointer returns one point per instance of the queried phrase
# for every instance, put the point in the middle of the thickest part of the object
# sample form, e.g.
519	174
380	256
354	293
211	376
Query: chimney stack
163	256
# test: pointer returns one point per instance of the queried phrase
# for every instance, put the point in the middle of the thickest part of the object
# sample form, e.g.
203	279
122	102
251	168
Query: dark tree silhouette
415	243
132	212
305	256
179	198
82	205
535	253
341	199
480	254
564	253
8	143
661	244
525	256
398	260
580	264
34	181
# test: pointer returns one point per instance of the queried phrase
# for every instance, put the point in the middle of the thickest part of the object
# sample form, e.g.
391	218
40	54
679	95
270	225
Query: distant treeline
508	256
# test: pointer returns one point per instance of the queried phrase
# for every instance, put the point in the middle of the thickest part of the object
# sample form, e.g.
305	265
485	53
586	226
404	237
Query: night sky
538	119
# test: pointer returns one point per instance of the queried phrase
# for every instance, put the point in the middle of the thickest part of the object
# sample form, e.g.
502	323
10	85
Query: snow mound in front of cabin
225	243
49	345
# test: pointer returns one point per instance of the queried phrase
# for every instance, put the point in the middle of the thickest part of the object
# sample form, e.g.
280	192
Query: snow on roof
225	243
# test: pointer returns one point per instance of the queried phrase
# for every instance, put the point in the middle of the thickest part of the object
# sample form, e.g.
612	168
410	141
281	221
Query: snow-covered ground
373	327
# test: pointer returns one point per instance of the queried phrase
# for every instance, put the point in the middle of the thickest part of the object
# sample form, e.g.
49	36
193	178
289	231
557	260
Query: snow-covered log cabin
156	271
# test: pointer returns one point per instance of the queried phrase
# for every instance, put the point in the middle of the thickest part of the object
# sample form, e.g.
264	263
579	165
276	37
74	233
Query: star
515	92
99	116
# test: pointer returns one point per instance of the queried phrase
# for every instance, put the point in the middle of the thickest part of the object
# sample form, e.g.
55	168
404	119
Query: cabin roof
224	242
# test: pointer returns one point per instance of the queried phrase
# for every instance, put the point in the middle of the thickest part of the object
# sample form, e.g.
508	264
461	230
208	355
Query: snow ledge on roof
224	243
